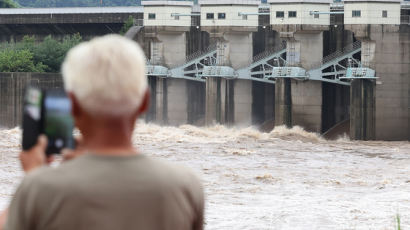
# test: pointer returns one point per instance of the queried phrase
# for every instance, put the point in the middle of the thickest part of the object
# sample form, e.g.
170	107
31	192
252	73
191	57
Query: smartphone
48	112
58	123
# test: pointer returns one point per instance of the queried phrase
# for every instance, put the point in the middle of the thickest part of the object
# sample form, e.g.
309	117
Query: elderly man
108	184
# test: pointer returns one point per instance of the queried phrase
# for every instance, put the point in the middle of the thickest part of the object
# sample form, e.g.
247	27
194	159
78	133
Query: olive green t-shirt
108	192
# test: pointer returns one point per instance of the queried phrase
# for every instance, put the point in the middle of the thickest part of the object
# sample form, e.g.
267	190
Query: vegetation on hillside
77	3
8	4
29	56
127	25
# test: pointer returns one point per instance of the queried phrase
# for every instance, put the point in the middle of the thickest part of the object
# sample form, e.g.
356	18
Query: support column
167	45
157	112
362	110
300	102
391	106
168	49
219	101
229	101
243	100
176	101
283	102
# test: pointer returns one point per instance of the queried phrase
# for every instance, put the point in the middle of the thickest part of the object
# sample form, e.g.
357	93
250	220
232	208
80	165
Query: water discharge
285	179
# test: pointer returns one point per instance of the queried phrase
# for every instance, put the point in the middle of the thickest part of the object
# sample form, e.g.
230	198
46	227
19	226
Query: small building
167	13
378	12
237	13
299	12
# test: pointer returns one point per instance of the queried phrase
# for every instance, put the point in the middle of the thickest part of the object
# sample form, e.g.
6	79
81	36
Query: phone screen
58	123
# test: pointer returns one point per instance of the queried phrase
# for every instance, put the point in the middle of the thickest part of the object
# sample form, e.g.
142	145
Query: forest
31	56
8	4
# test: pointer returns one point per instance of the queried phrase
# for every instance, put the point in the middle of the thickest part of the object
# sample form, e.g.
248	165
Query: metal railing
197	54
267	53
195	20
138	22
158	61
405	20
337	54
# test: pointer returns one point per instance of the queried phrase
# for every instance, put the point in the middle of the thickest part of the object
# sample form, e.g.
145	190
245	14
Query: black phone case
32	122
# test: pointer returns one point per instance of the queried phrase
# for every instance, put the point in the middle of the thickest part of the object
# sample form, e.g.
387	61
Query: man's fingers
68	155
50	159
42	142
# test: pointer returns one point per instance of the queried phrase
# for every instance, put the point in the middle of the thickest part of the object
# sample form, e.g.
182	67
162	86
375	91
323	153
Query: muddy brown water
285	179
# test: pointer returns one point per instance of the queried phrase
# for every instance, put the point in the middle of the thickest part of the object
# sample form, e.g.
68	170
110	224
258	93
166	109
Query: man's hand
3	218
36	156
69	154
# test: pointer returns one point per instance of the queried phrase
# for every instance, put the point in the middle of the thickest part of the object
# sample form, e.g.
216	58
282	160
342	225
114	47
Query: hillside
76	3
8	4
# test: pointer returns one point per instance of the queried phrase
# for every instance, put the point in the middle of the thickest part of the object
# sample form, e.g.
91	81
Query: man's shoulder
158	170
174	173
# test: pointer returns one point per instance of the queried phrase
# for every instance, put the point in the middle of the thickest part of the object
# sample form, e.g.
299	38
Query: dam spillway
262	62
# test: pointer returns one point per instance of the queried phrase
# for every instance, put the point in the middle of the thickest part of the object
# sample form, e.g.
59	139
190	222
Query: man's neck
108	139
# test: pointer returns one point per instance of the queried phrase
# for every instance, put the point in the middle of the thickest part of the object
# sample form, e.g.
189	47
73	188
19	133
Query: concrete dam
311	63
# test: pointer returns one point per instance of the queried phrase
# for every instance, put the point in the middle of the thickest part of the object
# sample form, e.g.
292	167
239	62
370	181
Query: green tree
127	25
30	56
18	61
51	52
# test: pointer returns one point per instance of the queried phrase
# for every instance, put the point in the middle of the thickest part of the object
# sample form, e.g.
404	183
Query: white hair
106	75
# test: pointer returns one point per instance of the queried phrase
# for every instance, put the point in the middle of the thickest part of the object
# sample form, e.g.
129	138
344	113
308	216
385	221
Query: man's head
105	79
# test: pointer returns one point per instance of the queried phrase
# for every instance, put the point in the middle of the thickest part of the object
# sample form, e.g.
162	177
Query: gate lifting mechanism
339	68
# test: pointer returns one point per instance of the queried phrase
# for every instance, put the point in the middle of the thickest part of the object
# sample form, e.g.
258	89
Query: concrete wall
176	101
310	51
335	104
16	32
232	17
283	102
265	39
73	18
163	16
303	107
14	27
392	65
302	14
168	49
239	102
236	49
386	49
196	40
307	104
362	110
173	101
336	39
12	86
219	101
371	13
243	101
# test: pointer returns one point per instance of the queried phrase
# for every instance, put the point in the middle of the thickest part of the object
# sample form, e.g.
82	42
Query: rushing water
286	179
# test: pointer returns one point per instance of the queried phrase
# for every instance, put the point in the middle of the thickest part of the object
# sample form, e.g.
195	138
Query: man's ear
144	104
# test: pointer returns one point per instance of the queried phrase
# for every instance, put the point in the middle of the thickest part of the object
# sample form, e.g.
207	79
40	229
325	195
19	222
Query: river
285	179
